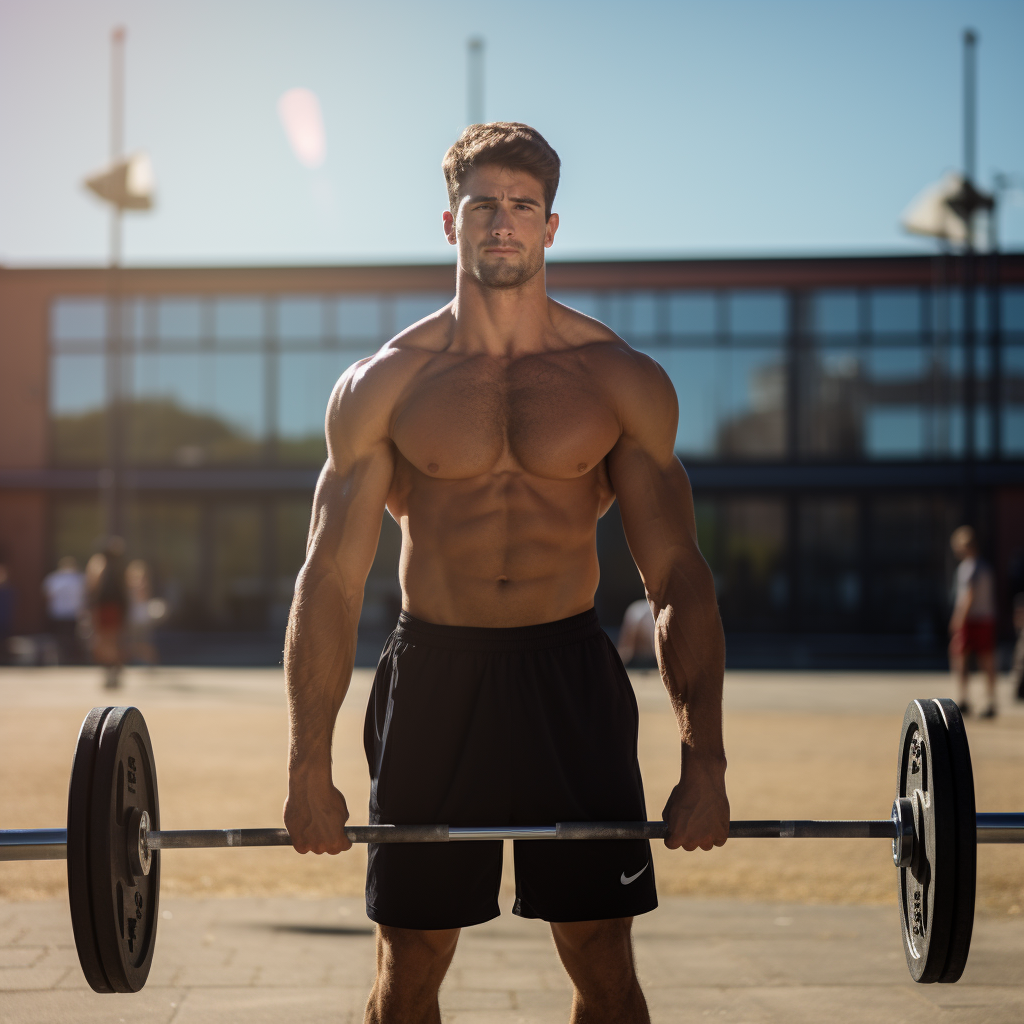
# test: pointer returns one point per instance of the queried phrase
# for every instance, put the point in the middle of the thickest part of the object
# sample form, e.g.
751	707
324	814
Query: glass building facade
837	419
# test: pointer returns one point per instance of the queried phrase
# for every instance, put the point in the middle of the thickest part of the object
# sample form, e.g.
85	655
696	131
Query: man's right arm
321	639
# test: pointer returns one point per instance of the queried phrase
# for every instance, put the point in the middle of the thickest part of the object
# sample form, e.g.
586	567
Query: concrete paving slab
255	960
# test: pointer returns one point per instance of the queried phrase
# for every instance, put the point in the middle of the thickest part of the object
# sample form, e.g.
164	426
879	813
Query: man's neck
502	322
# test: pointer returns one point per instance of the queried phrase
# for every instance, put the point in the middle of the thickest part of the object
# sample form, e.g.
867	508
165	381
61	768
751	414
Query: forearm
319	656
691	654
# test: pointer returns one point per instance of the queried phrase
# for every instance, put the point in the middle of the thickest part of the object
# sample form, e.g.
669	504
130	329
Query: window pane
1013	400
77	525
192	408
238	321
411	308
693	373
894	311
361	319
165	533
752	403
236	394
300	321
1013	310
949	311
895	432
731	401
908	541
77	398
588	303
744	542
831	413
135	326
77	321
830	580
692	314
306	380
633	316
757	314
896	417
179	320
238	596
835	315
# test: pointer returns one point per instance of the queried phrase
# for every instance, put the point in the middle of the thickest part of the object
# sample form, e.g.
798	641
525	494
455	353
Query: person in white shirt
65	602
972	626
636	635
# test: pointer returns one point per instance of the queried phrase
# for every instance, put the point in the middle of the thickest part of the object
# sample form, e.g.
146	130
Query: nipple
432	467
581	468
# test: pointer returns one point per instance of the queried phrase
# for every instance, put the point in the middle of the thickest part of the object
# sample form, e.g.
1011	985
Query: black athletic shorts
526	726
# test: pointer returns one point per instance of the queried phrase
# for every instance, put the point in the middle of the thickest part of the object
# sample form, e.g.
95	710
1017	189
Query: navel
432	467
502	579
581	468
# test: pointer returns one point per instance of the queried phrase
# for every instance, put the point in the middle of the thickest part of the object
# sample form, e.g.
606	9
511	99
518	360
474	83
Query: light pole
126	184
475	80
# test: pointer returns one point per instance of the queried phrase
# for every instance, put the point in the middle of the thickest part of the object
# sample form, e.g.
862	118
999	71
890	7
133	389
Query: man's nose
501	226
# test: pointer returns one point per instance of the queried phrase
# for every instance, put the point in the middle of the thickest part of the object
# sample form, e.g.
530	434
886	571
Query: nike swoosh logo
632	878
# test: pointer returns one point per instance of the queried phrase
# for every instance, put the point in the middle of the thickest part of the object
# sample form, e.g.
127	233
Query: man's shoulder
606	349
369	389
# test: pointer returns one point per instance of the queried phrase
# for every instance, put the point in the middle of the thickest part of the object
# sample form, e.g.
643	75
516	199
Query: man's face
500	227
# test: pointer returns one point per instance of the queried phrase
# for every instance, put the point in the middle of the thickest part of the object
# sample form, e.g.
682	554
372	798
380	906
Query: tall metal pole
475	80
111	480
968	284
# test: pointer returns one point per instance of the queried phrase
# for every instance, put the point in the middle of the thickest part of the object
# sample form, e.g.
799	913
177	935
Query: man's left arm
656	504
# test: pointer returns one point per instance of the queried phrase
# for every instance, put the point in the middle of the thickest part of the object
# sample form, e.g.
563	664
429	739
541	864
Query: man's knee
415	958
603	949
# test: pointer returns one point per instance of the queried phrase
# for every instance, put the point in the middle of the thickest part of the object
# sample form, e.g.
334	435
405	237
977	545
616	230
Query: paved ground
736	939
253	960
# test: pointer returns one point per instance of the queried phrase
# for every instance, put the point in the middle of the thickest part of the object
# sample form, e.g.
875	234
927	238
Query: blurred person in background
65	601
972	626
636	636
1018	650
108	603
7	601
143	612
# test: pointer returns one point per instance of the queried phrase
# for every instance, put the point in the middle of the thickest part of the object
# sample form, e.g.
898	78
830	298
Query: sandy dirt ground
800	745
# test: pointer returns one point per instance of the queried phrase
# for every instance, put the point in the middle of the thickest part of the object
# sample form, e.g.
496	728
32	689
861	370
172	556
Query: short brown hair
508	144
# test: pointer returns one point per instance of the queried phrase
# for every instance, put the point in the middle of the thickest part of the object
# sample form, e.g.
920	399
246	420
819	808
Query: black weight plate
966	841
79	870
927	886
126	907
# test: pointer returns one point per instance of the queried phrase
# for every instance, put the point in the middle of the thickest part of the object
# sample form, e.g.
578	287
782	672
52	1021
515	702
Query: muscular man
496	433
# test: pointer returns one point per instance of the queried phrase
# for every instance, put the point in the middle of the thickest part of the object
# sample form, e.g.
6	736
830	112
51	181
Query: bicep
351	493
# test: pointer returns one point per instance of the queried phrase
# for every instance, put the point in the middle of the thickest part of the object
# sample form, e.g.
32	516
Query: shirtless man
497	432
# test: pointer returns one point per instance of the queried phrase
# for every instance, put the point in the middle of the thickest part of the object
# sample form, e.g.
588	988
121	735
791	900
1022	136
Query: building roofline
710	272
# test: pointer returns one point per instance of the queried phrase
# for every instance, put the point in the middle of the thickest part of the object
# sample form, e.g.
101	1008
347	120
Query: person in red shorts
972	625
108	602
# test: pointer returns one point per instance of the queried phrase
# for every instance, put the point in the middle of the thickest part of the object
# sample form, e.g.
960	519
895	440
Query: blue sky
685	129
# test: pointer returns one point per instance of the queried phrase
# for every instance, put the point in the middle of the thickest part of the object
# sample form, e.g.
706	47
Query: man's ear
549	231
448	221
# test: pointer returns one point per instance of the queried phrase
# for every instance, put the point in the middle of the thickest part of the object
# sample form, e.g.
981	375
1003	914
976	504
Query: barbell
113	842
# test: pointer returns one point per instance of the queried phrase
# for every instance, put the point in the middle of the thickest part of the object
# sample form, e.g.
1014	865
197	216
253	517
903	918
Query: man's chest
477	416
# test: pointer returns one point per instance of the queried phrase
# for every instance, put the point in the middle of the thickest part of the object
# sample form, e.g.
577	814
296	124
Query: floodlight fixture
945	209
127	184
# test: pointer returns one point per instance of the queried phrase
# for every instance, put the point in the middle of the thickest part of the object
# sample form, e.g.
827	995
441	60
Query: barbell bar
113	842
51	843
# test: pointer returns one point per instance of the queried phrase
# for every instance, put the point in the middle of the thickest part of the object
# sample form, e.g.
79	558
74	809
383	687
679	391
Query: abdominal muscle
504	549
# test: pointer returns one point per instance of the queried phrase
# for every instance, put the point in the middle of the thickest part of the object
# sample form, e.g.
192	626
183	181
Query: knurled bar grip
51	843
587	830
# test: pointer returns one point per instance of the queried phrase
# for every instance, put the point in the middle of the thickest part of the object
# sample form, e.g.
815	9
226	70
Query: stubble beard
506	273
